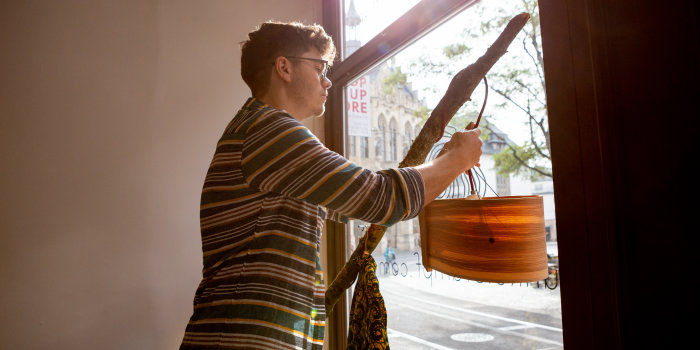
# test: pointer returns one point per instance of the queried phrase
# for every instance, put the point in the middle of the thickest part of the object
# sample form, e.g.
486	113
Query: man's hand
458	155
464	149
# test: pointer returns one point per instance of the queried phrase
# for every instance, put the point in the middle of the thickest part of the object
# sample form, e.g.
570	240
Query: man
269	188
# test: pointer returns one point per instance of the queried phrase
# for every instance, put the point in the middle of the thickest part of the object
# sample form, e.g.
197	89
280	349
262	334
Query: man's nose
326	83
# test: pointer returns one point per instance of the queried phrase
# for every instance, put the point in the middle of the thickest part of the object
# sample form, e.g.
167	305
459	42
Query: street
430	310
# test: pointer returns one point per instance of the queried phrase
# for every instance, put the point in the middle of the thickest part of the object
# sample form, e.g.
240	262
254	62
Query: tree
516	83
394	79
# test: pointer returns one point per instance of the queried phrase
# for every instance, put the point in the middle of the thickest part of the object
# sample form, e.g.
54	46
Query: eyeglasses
324	70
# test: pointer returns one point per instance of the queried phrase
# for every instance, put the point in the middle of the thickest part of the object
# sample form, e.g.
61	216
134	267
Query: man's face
309	86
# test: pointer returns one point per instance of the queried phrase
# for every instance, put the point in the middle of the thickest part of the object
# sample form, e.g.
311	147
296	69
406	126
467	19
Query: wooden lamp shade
494	239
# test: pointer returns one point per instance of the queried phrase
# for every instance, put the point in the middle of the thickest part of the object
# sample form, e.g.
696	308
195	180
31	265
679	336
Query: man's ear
283	68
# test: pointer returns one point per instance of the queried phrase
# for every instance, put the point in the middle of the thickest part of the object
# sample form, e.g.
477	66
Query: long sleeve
280	155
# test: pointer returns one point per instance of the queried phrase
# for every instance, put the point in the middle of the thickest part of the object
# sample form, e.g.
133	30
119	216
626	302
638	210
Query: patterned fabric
367	314
263	206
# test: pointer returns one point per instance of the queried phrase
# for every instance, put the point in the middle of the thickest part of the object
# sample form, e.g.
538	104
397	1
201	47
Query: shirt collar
254	103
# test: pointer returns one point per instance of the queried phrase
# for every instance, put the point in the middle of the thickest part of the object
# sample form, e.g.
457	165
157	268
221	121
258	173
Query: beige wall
109	114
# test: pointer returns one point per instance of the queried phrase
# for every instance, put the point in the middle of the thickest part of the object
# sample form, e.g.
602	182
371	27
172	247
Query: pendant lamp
490	239
493	239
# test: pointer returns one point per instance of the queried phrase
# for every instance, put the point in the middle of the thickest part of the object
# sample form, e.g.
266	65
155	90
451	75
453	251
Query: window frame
581	140
411	26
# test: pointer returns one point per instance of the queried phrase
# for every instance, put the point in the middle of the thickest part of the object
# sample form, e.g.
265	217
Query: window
365	19
392	140
397	98
364	147
407	138
503	183
352	145
380	139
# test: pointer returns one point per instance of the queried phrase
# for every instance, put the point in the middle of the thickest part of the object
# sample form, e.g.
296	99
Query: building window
364	147
380	139
392	140
352	145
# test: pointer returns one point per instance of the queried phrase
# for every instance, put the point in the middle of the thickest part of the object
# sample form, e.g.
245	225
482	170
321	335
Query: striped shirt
264	201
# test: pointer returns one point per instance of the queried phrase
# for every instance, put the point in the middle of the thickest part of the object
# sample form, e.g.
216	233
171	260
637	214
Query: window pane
386	108
364	19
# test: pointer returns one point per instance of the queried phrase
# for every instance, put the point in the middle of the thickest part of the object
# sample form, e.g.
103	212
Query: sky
378	14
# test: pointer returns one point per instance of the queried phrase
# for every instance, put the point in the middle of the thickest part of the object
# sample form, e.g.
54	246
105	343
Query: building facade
394	123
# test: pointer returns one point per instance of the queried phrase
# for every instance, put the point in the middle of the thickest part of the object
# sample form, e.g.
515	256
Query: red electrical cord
476	125
473	126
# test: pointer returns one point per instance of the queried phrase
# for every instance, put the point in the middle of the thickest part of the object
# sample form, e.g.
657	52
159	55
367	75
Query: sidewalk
514	296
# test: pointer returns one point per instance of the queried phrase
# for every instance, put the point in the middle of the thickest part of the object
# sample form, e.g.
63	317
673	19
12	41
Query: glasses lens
324	70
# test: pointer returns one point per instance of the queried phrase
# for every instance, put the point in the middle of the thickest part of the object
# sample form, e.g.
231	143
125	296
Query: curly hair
273	39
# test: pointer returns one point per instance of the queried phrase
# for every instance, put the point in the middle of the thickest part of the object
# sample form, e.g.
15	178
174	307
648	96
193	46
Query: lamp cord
469	126
475	125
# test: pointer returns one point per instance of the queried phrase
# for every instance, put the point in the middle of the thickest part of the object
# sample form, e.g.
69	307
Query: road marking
522	326
472	337
475	324
483	314
395	333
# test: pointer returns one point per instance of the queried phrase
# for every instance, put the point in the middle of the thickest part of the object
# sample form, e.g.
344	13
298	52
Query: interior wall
110	111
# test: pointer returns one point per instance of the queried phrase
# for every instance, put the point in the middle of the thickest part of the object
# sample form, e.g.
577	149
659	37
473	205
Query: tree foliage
422	112
516	84
394	79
